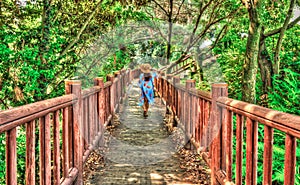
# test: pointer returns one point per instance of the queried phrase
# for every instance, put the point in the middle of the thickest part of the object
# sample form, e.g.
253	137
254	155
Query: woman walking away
147	86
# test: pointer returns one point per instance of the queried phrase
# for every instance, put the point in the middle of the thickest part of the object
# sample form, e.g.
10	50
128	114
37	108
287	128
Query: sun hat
146	68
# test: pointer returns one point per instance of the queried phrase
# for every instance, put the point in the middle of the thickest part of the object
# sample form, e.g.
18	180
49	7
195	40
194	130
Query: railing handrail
81	116
285	122
21	112
207	119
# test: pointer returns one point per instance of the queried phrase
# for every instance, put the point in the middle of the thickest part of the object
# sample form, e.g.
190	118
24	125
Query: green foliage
231	51
43	44
286	94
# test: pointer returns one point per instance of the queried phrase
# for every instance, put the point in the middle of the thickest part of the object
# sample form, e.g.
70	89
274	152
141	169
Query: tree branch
81	30
175	19
219	36
280	38
274	32
161	7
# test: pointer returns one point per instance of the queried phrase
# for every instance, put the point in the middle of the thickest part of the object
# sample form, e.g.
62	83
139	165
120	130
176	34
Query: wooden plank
42	150
71	177
196	115
201	126
56	148
229	134
10	115
290	160
26	119
47	150
65	148
11	157
77	127
239	149
85	123
268	150
92	124
90	91
251	152
188	105
30	153
216	137
288	120
263	120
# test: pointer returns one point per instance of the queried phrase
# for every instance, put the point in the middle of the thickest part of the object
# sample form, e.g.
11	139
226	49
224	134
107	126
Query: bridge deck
140	150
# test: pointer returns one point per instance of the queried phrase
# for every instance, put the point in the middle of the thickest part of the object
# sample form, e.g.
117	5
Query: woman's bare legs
146	107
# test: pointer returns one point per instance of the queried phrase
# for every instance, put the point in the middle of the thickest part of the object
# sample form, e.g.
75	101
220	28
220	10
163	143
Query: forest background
252	45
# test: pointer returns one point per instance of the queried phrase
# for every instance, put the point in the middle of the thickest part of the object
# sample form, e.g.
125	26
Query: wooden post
190	83
66	144
290	159
111	95
11	157
218	90
176	79
75	87
69	130
117	88
56	148
123	84
30	153
169	91
162	85
100	105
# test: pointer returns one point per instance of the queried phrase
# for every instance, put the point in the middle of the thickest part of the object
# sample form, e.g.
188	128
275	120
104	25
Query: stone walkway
139	150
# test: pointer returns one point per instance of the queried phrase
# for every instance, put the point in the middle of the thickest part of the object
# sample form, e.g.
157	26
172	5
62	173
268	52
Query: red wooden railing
207	119
80	116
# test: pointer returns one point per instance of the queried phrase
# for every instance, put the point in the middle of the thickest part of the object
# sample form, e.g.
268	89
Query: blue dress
146	89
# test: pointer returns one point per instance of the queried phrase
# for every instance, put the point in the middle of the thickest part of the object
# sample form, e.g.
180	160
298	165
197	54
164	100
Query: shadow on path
139	150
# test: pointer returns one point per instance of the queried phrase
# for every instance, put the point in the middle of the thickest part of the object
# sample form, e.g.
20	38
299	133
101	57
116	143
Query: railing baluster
86	123
56	153
239	149
111	94
201	126
65	143
11	157
47	150
90	123
42	150
268	150
251	149
290	160
30	153
229	134
194	116
206	125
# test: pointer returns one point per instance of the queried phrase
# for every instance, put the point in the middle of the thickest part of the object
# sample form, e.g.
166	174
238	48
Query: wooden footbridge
68	128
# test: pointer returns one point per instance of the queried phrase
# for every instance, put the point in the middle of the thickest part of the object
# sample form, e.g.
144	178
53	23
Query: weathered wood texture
208	122
80	115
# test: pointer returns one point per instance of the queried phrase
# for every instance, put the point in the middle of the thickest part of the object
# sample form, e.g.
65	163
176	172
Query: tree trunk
265	65
170	21
169	43
251	59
